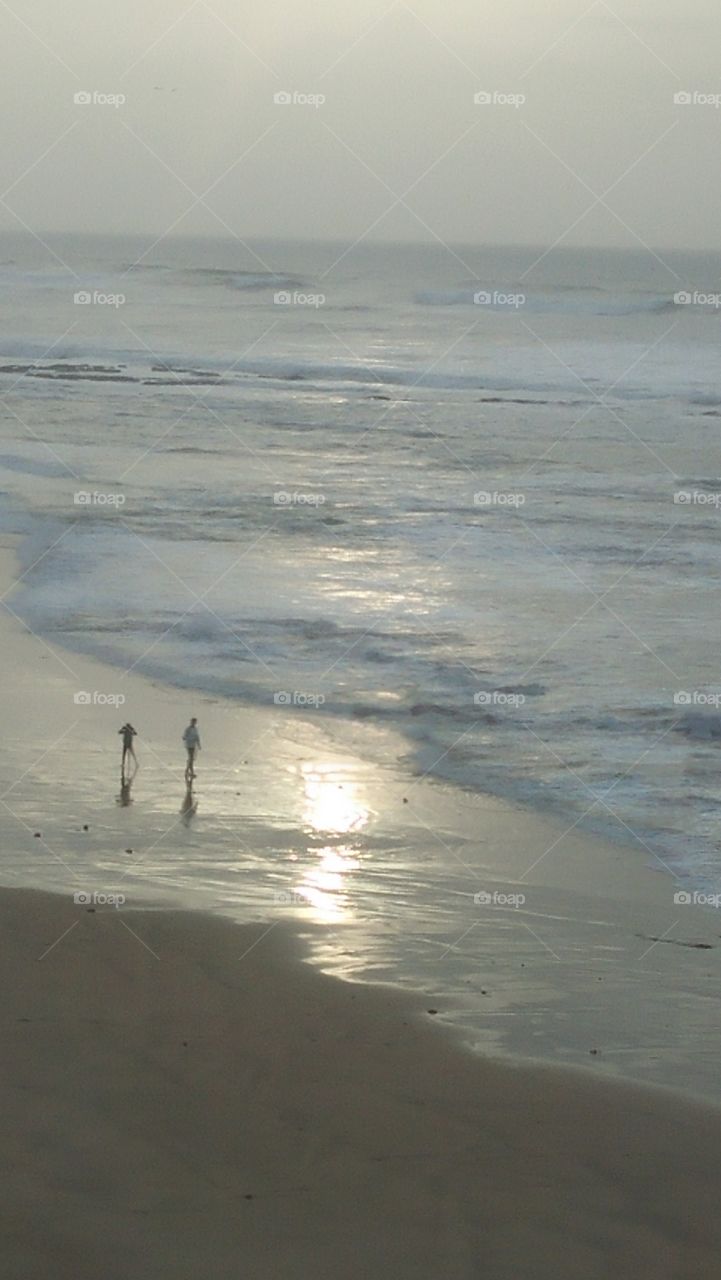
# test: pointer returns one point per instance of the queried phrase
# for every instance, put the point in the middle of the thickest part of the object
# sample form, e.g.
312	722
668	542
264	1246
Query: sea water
472	495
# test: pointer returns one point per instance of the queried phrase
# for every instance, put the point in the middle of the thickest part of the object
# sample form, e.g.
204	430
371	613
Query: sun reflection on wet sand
331	809
331	806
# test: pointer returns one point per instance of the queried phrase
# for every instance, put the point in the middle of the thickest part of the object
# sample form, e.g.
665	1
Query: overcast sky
399	117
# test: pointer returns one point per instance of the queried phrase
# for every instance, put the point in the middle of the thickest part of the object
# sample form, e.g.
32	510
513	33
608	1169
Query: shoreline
358	735
375	869
420	757
183	1097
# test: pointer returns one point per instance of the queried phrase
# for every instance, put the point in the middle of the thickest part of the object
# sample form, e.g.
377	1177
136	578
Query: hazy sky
399	117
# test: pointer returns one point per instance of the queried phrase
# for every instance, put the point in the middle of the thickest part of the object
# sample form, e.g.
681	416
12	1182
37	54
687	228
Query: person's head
193	721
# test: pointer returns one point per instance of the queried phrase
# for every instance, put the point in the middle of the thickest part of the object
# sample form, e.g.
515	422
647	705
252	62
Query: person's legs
189	769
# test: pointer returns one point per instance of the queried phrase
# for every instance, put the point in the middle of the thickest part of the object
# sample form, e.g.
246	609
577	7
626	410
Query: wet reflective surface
388	879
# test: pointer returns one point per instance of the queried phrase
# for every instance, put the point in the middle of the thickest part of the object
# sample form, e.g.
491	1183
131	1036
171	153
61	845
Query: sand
200	1104
189	1096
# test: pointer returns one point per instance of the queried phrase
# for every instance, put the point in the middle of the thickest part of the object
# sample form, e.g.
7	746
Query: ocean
471	494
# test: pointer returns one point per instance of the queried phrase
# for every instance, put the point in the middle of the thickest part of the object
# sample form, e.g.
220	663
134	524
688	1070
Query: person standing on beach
128	733
191	738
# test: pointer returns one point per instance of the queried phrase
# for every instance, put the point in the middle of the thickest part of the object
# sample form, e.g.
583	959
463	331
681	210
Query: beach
187	1092
182	1097
360	486
576	953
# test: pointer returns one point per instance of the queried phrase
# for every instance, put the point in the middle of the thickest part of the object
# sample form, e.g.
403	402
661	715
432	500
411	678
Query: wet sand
599	967
183	1098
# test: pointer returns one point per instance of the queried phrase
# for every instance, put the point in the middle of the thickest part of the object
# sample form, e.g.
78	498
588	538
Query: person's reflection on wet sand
126	785
189	807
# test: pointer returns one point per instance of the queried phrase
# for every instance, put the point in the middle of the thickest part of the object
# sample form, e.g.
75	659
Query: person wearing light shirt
191	738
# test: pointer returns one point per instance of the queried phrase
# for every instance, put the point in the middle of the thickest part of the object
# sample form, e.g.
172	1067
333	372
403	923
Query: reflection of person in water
191	738
189	807
128	733
125	797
